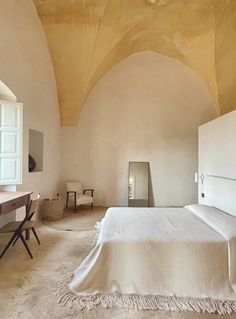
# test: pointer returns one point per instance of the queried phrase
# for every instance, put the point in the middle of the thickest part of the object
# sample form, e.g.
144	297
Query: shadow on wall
150	189
147	108
5	93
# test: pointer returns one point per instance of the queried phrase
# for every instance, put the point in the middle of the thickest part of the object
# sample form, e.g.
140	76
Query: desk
9	201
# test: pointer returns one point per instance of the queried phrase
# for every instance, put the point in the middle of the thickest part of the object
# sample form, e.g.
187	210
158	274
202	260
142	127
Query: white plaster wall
26	68
217	157
146	108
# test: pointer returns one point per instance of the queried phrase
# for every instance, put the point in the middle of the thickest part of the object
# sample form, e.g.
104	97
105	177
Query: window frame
16	130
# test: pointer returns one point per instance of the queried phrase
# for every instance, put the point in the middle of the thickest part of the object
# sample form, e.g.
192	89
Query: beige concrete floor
83	219
27	287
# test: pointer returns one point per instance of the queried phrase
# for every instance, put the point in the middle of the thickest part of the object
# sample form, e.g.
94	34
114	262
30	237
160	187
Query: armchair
76	195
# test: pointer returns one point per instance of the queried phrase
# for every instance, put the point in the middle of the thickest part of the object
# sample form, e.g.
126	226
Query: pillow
222	222
200	209
206	209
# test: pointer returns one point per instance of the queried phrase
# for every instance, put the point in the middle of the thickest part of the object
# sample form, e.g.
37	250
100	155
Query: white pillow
222	222
200	209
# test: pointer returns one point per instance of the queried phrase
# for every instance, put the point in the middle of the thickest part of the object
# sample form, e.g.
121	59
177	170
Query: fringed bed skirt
141	302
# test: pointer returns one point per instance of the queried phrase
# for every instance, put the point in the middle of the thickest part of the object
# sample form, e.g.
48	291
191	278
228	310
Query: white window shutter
11	127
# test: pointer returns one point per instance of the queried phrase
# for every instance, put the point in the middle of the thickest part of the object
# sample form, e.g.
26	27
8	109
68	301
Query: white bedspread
162	251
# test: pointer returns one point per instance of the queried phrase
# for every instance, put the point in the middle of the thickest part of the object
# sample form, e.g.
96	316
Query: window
11	126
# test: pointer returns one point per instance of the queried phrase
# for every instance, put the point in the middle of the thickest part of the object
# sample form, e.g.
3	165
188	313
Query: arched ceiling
87	37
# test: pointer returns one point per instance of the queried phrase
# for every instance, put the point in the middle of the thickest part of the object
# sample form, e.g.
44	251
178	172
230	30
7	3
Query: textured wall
86	38
135	113
225	41
26	68
217	140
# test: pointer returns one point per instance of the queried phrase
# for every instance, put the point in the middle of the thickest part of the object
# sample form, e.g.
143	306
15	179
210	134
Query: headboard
219	192
217	163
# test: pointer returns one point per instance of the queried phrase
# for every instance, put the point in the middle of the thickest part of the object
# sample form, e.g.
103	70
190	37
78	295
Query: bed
159	258
169	258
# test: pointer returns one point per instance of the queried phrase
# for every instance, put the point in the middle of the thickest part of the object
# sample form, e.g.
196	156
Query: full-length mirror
138	184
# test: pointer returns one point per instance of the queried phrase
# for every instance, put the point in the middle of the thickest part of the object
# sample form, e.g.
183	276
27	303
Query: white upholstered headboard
219	192
217	163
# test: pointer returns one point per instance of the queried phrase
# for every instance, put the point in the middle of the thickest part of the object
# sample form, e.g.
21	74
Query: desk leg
27	232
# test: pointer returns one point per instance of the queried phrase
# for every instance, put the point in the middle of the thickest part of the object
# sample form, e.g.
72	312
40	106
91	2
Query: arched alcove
146	108
98	34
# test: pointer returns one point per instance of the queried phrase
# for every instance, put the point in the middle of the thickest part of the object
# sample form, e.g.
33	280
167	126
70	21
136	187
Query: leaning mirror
138	184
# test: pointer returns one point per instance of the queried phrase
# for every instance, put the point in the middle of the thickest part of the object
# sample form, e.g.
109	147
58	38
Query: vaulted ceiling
87	37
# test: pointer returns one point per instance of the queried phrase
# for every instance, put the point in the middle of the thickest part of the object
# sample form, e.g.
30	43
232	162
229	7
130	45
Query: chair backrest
74	187
33	207
31	210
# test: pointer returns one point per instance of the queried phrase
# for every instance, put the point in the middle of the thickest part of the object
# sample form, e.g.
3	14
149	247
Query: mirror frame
148	166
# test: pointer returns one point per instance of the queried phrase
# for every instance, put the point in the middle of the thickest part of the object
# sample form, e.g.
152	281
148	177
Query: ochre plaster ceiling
87	37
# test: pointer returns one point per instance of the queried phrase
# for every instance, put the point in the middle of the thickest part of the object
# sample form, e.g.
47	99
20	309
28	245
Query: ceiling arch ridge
196	33
95	79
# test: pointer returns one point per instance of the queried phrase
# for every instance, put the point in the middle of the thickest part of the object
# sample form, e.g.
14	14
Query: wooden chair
17	228
78	195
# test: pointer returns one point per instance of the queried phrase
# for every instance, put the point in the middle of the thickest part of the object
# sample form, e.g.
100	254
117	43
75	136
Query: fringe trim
141	302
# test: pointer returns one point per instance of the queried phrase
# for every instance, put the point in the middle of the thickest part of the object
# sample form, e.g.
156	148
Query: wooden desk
9	201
